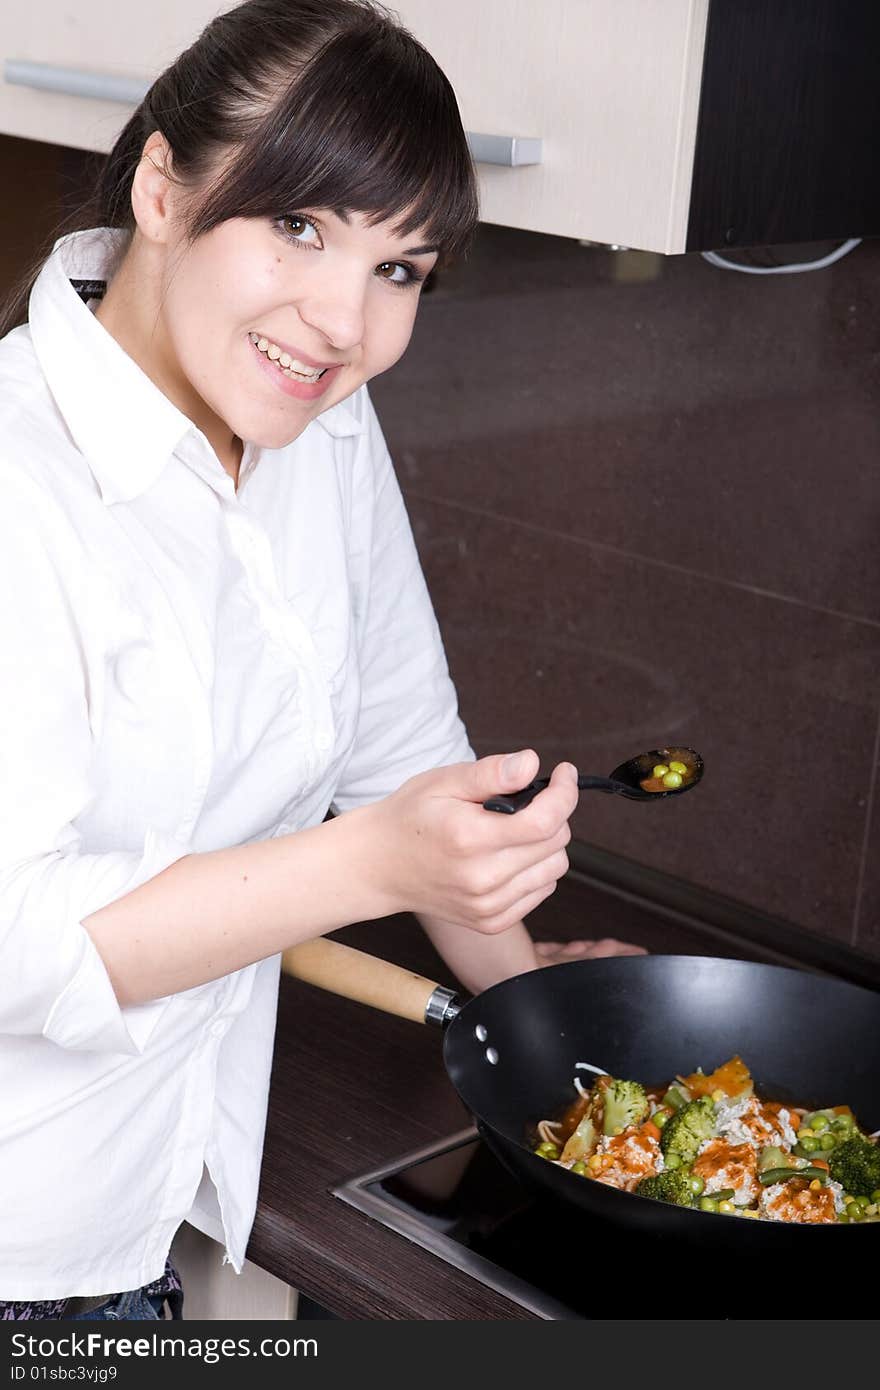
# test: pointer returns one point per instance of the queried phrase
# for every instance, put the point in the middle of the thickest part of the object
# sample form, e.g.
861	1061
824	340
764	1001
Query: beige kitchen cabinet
113	39
213	1291
610	88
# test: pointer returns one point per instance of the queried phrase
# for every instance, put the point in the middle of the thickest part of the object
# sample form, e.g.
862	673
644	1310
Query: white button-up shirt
183	667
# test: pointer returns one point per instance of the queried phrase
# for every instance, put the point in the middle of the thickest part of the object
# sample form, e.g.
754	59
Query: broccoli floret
855	1164
625	1103
686	1130
672	1185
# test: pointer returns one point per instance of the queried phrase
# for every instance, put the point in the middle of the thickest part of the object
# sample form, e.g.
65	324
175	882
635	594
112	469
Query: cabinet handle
75	82
504	149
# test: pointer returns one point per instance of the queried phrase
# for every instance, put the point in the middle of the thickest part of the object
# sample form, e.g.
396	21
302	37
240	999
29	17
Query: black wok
510	1053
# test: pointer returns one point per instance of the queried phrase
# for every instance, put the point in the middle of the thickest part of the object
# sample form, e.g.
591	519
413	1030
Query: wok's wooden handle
354	975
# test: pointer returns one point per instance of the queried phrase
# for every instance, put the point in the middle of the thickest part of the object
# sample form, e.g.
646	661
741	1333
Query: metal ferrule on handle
443	1006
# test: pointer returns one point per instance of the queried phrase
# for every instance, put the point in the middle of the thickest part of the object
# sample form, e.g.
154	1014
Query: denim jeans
134	1306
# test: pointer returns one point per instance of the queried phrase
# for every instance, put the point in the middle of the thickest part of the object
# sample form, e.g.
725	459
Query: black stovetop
457	1200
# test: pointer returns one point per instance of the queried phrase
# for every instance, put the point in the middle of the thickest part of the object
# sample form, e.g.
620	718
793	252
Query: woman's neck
131	313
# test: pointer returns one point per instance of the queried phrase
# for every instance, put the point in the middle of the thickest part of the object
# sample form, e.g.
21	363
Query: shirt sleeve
52	979
408	721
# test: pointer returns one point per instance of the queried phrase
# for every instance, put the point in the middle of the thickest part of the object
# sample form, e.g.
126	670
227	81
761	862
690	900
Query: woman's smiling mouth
303	379
286	361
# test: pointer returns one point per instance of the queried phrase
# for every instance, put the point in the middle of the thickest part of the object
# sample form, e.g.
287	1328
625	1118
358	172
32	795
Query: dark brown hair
299	104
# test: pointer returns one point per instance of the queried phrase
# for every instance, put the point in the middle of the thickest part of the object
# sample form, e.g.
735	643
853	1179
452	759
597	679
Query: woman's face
256	308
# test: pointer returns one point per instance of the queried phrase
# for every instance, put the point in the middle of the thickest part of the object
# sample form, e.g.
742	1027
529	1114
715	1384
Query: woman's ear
152	190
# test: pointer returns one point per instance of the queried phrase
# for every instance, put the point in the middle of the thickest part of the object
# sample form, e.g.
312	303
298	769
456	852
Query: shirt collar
123	424
125	427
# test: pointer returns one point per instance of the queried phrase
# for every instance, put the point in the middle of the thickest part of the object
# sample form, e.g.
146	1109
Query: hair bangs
369	124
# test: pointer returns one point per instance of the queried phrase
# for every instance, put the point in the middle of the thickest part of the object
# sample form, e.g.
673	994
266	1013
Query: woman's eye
295	226
397	272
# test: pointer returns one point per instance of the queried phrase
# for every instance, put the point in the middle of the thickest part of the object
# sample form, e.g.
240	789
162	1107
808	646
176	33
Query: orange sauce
731	1078
800	1203
634	1157
738	1163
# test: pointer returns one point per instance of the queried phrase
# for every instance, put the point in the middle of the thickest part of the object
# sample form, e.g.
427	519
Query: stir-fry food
708	1141
665	777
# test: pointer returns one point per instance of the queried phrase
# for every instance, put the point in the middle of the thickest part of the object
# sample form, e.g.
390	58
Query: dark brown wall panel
788	126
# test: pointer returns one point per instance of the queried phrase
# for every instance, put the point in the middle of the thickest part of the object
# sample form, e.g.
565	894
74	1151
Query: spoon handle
515	801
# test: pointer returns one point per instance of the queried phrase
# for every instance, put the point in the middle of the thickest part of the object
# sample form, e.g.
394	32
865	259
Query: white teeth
290	366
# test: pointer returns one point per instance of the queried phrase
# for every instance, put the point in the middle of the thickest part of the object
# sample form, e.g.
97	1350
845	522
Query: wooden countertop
353	1089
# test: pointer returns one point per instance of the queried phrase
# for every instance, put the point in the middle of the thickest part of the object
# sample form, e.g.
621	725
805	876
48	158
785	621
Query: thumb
502	772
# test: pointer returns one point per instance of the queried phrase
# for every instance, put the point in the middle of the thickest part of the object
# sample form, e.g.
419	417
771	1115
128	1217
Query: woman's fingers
517	910
507	900
557	952
550	809
535	823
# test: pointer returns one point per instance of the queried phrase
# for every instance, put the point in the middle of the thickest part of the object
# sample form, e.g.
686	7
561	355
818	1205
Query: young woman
214	628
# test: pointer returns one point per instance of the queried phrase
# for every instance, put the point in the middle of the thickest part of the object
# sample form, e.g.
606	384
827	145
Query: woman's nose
337	314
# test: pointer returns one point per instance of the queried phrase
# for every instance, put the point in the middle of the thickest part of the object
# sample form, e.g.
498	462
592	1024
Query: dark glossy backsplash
646	493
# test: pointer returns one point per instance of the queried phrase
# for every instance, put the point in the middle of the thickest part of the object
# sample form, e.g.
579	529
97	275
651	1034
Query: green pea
696	1184
856	1209
659	770
673	1161
809	1145
660	1118
875	1196
672	781
708	1204
819	1124
843	1124
827	1142
843	1218
579	1167
727	1207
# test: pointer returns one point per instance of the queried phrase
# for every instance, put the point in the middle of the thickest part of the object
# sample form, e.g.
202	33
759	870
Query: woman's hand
558	952
435	851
